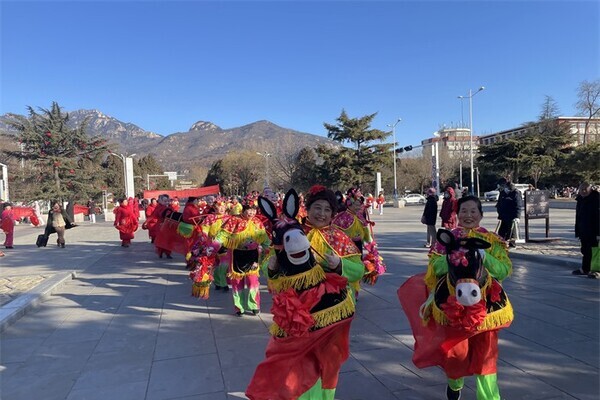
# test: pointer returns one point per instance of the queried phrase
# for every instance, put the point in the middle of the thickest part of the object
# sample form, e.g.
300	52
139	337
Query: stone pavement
126	326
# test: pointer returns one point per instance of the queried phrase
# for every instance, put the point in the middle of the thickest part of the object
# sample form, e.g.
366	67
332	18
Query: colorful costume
359	229
312	310
462	340
244	238
211	225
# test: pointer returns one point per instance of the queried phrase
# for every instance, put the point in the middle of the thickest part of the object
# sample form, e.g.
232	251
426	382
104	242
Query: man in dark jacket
509	206
430	215
587	226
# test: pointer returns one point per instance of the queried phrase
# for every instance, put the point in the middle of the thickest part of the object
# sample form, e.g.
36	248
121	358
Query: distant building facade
577	128
454	142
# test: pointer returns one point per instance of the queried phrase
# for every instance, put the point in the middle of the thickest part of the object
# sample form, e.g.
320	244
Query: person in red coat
149	210
8	225
125	222
449	208
155	221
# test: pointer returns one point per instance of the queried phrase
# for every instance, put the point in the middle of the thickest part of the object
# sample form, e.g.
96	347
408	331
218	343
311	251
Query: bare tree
588	103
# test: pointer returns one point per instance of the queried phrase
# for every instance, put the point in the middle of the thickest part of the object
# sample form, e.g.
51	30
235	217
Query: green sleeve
439	264
497	262
353	268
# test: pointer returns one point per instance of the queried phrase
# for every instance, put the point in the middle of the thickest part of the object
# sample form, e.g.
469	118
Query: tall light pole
393	126
266	156
4	183
470	97
127	173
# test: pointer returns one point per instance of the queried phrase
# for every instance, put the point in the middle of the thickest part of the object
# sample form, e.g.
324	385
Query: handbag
595	267
423	221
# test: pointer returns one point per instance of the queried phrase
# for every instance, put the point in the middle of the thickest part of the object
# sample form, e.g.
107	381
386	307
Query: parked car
414	198
491	195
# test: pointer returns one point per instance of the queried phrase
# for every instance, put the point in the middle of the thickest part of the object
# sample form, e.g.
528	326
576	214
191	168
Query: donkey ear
267	208
446	238
291	204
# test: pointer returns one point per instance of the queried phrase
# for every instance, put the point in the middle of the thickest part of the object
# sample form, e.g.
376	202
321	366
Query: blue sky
163	65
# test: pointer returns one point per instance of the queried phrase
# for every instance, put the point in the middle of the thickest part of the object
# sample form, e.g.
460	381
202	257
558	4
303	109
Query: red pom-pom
316	189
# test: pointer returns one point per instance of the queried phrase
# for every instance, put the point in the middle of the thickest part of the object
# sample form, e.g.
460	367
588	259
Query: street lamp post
266	156
4	183
127	173
393	126
470	97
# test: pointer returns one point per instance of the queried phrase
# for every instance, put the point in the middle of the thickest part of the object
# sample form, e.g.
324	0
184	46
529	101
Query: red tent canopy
197	192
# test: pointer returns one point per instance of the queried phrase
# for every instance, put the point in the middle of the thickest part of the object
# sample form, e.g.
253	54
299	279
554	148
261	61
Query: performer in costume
155	221
245	236
7	223
312	306
354	222
235	207
211	225
462	340
149	210
125	221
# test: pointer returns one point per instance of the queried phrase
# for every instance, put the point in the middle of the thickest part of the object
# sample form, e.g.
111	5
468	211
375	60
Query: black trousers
586	250
505	230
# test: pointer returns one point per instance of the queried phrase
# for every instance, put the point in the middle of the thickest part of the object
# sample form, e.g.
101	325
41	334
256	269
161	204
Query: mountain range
201	145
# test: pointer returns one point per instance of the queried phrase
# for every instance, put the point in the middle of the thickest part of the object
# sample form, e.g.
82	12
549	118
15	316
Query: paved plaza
121	324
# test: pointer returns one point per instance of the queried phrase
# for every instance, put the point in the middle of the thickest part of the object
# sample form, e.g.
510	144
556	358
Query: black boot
452	394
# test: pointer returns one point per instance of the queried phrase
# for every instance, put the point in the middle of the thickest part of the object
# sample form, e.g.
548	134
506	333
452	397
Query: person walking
509	206
91	205
430	215
449	208
126	221
380	202
587	221
58	222
8	224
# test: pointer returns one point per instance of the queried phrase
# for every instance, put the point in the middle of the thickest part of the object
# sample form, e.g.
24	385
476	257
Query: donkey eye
287	239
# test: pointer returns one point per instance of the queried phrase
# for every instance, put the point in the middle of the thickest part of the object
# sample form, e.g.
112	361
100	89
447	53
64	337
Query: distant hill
201	145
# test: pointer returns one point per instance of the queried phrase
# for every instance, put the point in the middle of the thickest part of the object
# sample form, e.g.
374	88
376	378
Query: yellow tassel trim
301	281
357	229
325	317
239	276
250	233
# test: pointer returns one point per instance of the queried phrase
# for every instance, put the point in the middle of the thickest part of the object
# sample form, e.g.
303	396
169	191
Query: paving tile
185	376
126	391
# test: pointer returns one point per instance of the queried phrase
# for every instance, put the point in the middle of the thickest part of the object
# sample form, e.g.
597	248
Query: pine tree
358	164
64	160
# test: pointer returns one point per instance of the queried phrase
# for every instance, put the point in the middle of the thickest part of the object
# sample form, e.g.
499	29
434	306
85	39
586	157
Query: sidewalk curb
563	261
14	310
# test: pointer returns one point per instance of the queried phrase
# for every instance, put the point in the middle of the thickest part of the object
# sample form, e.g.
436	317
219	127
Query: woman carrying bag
58	222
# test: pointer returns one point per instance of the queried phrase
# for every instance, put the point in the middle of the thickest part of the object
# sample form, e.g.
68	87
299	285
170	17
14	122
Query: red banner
185	193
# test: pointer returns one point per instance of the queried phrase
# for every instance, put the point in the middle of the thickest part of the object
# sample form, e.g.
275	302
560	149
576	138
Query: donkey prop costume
312	311
455	322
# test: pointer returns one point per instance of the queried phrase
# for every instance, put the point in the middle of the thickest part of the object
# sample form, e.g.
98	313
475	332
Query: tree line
58	162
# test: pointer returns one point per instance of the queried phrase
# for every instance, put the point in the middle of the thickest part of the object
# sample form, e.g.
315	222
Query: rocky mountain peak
204	126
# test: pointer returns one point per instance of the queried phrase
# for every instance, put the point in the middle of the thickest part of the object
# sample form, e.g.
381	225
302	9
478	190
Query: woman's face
56	207
124	202
469	215
320	213
249	213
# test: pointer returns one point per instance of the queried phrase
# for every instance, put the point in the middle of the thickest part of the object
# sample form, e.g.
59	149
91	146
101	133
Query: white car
414	198
491	195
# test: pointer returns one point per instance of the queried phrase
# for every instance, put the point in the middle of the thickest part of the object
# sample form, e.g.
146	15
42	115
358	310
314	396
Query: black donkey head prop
465	266
289	240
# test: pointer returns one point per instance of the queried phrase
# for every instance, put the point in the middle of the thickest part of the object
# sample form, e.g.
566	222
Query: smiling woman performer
312	305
